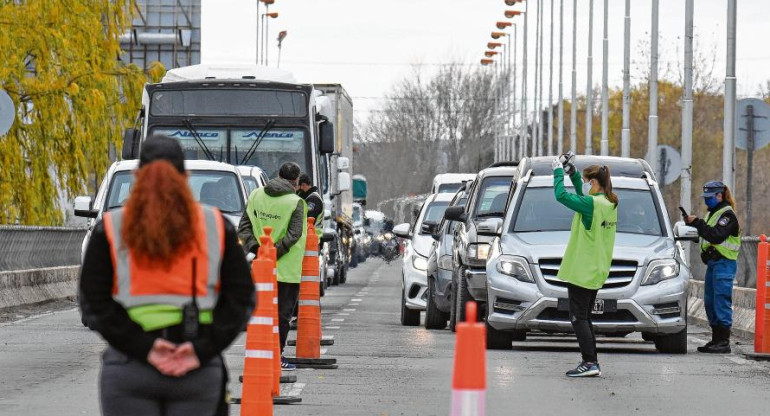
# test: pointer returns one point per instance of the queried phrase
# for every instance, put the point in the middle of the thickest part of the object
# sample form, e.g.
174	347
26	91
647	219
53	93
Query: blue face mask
711	201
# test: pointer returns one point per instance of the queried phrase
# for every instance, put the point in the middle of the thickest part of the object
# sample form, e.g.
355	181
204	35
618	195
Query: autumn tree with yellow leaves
59	63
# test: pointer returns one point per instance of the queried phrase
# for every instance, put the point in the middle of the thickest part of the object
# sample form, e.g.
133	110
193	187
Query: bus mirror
130	144
343	180
326	133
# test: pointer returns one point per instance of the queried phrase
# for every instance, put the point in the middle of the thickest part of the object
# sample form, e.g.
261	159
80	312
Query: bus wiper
249	153
198	139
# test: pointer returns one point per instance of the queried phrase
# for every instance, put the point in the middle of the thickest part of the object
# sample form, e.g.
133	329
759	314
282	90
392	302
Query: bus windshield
228	103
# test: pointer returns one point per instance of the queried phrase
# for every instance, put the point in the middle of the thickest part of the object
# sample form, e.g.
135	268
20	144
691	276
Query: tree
59	64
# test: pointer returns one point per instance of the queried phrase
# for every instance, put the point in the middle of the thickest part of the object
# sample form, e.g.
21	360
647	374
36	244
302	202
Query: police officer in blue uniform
720	243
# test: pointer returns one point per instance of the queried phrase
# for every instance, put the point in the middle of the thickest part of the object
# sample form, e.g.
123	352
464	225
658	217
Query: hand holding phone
684	213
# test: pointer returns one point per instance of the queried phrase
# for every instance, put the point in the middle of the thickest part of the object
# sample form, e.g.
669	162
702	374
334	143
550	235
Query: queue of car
500	242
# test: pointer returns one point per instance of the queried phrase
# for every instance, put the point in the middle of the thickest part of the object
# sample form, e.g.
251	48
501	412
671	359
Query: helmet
712	188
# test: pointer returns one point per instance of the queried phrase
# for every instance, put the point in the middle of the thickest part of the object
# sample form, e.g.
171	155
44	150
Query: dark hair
602	175
289	171
304	179
159	147
728	196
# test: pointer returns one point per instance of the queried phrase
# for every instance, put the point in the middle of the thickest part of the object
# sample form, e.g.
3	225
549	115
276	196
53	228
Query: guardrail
25	248
746	276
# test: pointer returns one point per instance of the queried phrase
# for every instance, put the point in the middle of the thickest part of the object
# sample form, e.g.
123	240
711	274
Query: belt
175	333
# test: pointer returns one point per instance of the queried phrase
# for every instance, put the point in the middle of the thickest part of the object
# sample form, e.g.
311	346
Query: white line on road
295	390
349	310
343	314
338	320
331	327
323	351
356	300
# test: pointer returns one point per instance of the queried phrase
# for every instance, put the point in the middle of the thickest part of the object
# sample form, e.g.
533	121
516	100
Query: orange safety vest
138	286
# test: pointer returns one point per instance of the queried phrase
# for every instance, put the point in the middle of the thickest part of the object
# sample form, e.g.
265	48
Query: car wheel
672	343
453	303
498	340
409	317
434	318
343	274
337	275
322	286
463	296
518	335
353	260
648	336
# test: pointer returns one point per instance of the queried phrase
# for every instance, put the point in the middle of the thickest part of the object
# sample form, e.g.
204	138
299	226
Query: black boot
722	341
710	343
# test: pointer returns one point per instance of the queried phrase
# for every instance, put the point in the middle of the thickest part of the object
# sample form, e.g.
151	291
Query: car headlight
380	237
660	270
419	262
515	267
445	262
478	251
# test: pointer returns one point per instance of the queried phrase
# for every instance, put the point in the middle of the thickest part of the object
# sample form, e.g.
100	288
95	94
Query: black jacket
315	204
726	226
111	320
276	187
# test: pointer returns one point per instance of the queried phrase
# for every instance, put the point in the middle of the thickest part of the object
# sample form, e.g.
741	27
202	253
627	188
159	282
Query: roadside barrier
469	383
762	319
308	351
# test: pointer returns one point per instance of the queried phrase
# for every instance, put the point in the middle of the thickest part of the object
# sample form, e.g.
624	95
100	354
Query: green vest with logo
729	248
588	257
276	211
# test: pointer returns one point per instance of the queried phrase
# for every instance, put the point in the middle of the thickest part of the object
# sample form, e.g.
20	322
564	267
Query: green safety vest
588	257
275	212
729	248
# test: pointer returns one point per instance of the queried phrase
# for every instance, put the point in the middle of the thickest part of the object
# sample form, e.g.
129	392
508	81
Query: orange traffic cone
309	314
258	370
469	382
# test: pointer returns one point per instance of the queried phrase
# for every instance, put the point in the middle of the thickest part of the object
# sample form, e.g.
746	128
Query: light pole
498	125
535	107
550	89
260	35
652	136
541	124
524	129
605	145
573	105
510	95
501	97
589	88
510	14
685	191
281	36
728	151
506	90
266	22
625	140
560	135
487	62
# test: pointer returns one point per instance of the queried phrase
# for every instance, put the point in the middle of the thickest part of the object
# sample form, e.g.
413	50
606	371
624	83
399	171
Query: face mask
587	188
711	201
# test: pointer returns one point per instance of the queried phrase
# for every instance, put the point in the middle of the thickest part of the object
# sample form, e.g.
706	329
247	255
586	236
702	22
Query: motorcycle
389	249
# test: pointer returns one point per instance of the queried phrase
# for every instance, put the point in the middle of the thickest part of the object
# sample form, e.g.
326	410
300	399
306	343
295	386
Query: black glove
567	160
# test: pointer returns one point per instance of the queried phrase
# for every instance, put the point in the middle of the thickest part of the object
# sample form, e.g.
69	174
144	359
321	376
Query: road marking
323	351
338	320
331	327
295	389
349	310
343	314
356	300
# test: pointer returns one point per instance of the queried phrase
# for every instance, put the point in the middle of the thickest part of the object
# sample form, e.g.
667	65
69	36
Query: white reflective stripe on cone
309	253
260	320
311	278
767	305
309	303
767	283
275	301
275	329
259	354
468	403
264	287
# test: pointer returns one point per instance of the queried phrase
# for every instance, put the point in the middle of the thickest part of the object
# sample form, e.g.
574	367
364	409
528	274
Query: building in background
168	31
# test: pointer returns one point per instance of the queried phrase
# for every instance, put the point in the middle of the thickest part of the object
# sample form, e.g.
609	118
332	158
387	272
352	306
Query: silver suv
647	287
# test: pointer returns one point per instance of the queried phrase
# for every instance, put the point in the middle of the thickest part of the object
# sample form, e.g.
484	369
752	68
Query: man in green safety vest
720	243
277	205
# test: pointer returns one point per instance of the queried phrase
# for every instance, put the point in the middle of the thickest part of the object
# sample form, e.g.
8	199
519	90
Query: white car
212	183
450	182
253	178
414	280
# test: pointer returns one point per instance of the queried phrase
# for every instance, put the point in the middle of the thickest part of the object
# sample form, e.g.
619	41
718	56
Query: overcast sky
369	45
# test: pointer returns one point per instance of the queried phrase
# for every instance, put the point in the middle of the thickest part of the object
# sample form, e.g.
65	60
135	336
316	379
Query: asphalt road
49	365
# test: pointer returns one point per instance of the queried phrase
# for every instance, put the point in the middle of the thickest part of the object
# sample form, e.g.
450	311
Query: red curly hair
161	215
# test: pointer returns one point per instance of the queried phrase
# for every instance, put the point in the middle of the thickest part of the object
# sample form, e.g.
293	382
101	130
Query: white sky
369	45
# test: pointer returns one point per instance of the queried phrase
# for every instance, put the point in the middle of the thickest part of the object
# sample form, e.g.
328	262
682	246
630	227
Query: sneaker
287	366
585	369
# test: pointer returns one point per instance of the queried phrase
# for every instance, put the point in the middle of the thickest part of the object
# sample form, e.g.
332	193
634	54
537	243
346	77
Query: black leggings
581	302
288	293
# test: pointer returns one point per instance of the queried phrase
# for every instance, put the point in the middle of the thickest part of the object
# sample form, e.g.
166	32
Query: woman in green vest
586	263
720	242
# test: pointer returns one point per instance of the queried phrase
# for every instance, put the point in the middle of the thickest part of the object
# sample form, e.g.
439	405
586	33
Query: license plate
598	308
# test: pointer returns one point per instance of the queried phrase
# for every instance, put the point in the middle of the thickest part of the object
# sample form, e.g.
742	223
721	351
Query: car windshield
636	212
449	188
216	188
493	195
251	184
435	212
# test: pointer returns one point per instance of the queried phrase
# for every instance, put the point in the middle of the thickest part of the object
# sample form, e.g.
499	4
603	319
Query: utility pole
513	93
258	1
523	137
728	151
541	125
605	145
625	146
685	191
573	104
750	144
550	90
560	135
652	135
535	124
589	89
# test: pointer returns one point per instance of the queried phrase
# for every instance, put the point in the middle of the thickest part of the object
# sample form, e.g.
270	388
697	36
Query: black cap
157	147
304	179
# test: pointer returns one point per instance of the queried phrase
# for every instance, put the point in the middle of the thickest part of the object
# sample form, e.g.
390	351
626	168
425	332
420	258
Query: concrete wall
26	287
746	276
744	304
25	248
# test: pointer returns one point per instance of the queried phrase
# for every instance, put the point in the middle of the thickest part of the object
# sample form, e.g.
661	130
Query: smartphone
684	213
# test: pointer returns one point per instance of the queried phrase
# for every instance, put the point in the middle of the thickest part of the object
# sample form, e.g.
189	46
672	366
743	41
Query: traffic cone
309	316
256	398
469	382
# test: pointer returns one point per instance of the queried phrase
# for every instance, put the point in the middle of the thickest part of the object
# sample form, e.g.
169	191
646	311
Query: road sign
761	123
7	112
669	164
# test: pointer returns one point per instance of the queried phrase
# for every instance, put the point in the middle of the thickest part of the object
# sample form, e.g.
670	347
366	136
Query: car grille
621	273
622	315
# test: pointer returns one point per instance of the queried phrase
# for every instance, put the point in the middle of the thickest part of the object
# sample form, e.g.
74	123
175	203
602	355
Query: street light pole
573	103
625	146
560	135
536	115
550	90
541	123
257	58
513	95
652	136
605	145
589	89
685	192
524	124
728	151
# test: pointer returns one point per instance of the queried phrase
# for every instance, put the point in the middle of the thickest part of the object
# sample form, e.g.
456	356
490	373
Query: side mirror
326	139
683	232
455	214
84	207
327	237
490	227
344	182
402	230
343	163
428	227
130	144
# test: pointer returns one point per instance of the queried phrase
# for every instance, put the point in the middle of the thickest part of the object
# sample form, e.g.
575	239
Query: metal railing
23	247
746	276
